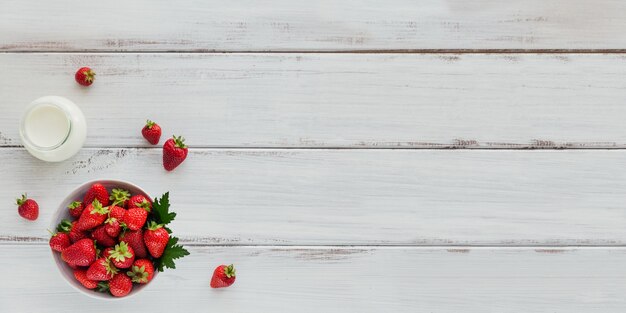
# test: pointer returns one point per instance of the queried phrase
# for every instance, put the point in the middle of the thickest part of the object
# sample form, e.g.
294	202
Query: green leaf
161	210
65	226
172	251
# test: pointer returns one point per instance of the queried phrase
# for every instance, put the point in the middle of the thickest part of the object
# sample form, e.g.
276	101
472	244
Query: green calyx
21	200
98	208
138	274
110	220
109	267
89	75
229	271
149	124
65	226
145	204
118	196
120	253
74	205
179	142
103	286
154	226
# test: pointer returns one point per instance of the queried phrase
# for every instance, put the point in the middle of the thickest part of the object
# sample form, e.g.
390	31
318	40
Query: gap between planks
364	51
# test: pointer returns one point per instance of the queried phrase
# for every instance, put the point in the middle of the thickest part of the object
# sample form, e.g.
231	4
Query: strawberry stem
179	142
22	200
229	271
149	124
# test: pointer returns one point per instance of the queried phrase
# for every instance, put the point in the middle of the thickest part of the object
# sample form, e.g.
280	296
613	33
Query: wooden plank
330	100
350	197
331	279
324	25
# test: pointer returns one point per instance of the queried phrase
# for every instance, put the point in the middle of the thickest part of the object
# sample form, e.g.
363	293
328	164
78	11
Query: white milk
47	126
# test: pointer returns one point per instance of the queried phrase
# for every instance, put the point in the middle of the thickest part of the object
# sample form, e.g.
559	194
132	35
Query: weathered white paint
331	100
192	25
336	279
387	197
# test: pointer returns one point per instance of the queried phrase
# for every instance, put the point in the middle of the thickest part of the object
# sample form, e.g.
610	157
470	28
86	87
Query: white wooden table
346	156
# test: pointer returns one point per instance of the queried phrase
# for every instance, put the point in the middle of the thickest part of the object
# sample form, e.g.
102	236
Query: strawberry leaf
172	251
161	210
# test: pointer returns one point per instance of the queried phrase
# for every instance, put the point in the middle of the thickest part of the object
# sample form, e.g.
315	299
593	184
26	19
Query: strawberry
75	233
113	224
85	76
122	255
119	197
97	192
81	253
174	152
76	208
120	285
223	276
152	132
81	276
93	215
27	208
135	218
59	241
139	201
73	266
156	238
134	239
141	272
106	252
101	237
101	269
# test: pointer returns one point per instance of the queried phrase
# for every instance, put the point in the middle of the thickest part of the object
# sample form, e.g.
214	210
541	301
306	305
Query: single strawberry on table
152	132
223	276
81	253
174	152
141	272
27	208
101	269
59	241
85	76
156	238
122	255
81	276
76	208
96	192
120	285
119	197
93	215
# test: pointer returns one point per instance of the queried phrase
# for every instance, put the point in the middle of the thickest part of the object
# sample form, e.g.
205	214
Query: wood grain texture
359	279
348	197
330	100
324	25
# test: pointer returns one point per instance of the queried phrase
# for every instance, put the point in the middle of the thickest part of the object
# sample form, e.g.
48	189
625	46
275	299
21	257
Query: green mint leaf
161	210
172	251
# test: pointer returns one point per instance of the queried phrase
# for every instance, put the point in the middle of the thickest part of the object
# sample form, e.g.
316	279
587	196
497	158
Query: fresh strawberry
106	252
174	152
81	253
156	238
59	241
134	239
140	201
102	238
96	192
76	208
120	285
93	215
135	218
119	197
141	272
73	266
113	224
76	234
122	255
81	276
85	76
101	269
152	132
27	208
223	276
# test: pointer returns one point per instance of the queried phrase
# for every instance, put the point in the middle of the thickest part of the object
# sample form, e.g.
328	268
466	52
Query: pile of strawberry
117	239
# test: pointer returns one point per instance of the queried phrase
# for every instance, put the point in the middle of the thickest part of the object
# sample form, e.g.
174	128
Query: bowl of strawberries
111	239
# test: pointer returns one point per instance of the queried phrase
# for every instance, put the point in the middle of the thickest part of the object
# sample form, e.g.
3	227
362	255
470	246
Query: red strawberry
223	276
122	255
112	225
81	253
76	208
135	218
120	285
73	266
59	241
96	192
85	76
102	238
101	269
27	208
156	238
93	215
134	239
152	132
174	152
106	252
119	197
75	233
81	276
139	201
142	271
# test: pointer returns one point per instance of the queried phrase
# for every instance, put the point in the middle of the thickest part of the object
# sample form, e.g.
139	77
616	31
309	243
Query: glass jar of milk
53	128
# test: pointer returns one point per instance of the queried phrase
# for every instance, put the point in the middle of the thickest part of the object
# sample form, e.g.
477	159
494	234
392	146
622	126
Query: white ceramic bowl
63	212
